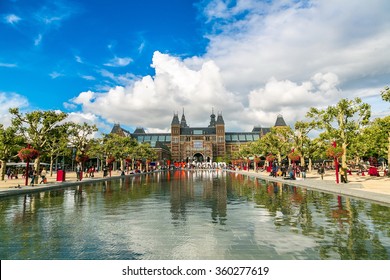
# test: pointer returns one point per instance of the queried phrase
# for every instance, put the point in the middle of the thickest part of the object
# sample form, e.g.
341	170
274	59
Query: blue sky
137	62
58	48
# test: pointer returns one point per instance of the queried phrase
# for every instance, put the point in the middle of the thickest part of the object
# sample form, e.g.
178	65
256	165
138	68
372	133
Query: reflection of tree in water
342	228
381	216
336	224
32	225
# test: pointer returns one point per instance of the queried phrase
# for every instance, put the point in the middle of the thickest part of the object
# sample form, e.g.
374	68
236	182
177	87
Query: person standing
343	175
78	172
303	171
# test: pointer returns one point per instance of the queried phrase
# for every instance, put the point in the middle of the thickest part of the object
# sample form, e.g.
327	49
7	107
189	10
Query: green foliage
10	143
342	122
36	126
385	93
144	151
301	140
376	137
80	136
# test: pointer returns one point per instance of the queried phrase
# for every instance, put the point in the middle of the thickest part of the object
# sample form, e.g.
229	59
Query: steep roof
117	129
220	119
183	122
175	120
139	130
280	121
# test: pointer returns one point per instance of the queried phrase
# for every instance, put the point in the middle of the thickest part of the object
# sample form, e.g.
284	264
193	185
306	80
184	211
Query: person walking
9	173
43	176
33	175
321	171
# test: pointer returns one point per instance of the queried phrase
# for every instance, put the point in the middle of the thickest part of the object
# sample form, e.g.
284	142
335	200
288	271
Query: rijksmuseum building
188	144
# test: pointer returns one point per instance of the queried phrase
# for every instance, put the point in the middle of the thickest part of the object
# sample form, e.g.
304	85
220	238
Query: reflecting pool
191	215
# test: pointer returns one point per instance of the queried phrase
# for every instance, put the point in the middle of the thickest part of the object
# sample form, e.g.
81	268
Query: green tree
342	122
10	143
278	141
119	147
143	151
385	93
57	144
80	138
377	137
302	141
36	127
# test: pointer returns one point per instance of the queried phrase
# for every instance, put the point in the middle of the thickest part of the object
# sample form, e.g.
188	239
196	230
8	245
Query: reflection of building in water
200	144
187	187
218	194
182	192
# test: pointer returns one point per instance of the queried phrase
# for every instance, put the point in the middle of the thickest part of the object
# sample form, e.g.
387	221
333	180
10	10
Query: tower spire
212	118
183	120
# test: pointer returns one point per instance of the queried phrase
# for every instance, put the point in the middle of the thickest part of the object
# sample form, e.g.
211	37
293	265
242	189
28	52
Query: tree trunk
388	153
122	165
2	170
101	164
51	166
302	160
279	158
344	156
36	167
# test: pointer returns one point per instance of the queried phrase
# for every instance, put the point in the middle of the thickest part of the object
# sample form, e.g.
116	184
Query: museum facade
187	144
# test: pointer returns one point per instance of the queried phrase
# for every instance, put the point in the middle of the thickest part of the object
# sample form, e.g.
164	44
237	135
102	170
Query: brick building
185	143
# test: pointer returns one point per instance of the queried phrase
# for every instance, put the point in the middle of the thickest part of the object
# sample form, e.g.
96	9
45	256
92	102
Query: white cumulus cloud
10	100
151	101
263	58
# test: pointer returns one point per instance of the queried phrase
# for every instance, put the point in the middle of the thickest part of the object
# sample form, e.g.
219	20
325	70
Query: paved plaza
376	189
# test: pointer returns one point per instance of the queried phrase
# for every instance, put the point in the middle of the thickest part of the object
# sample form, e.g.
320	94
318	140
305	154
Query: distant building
185	143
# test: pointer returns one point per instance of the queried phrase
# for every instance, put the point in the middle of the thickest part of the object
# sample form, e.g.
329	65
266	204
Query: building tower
220	136
212	119
183	122
175	138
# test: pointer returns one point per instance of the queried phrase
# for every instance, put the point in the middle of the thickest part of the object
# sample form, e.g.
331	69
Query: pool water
189	215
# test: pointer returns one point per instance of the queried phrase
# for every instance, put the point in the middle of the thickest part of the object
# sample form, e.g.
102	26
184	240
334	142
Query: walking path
10	187
376	189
